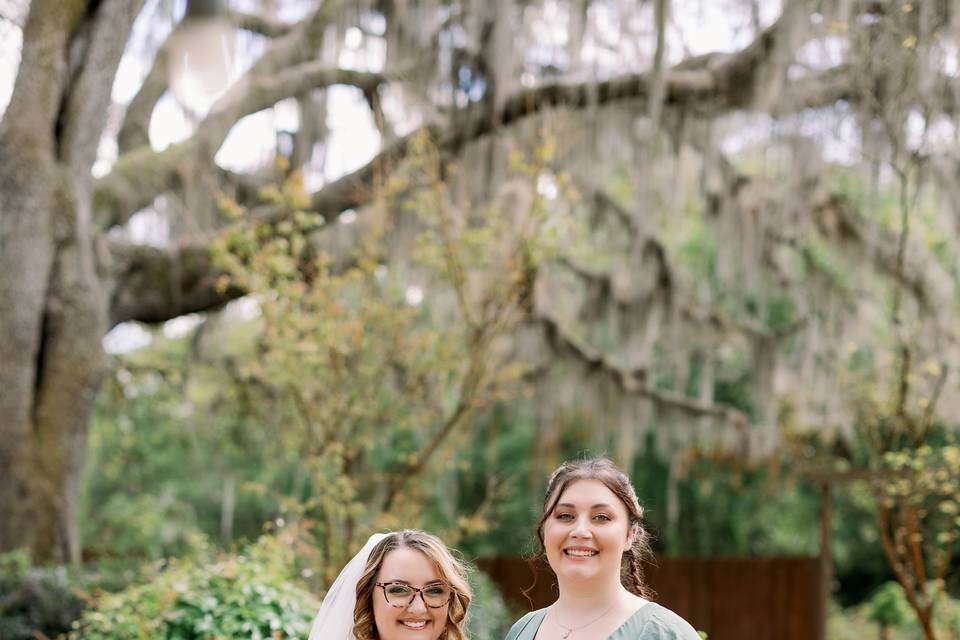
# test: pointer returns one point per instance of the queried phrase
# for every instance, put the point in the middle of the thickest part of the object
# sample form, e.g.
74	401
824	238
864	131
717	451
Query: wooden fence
776	598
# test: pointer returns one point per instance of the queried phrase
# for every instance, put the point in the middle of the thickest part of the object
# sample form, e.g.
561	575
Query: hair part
605	471
451	571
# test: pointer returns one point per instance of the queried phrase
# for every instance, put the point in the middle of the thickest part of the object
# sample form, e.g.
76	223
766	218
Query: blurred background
279	274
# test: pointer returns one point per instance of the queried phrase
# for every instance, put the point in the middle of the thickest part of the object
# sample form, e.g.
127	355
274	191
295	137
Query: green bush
252	594
34	599
143	526
888	607
489	618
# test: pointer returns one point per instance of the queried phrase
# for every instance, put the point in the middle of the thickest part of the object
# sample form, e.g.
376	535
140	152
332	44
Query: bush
34	599
242	595
489	618
888	607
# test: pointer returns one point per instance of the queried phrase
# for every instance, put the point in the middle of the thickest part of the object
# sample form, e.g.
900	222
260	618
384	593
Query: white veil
334	621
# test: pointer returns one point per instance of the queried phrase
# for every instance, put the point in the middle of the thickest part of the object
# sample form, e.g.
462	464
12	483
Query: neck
590	596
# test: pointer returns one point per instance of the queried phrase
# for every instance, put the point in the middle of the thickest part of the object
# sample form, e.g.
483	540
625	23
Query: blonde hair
450	569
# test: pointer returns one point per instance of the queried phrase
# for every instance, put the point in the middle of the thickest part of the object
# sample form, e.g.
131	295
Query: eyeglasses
401	594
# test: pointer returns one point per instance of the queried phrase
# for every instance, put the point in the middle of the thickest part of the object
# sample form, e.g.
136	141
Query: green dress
650	622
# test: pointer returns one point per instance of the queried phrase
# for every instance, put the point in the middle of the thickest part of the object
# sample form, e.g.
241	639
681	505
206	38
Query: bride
404	584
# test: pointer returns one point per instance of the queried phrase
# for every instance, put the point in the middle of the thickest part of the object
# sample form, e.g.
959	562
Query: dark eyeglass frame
383	586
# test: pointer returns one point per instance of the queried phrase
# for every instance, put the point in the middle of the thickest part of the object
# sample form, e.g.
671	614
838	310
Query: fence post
826	560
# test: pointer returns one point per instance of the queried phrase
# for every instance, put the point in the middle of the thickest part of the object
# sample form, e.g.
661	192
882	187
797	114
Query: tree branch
924	277
136	121
633	382
117	198
31	114
154	285
256	23
715	80
142	174
85	114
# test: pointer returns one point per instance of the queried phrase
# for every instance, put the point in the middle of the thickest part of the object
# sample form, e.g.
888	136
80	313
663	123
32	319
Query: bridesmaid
592	534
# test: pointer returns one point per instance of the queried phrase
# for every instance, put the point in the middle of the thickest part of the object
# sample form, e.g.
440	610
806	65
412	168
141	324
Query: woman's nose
581	528
417	604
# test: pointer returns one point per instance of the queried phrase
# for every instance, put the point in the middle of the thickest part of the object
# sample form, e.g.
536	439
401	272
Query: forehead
408	565
586	493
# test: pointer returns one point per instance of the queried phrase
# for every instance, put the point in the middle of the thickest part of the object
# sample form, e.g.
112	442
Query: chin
579	573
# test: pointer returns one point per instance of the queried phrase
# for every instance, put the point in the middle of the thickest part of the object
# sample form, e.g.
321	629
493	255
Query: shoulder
527	625
662	624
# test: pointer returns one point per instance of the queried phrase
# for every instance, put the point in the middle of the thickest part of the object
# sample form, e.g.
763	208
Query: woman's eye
398	590
602	517
435	591
564	516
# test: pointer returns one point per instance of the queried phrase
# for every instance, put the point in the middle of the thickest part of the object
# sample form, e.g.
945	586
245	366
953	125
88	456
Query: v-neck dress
650	622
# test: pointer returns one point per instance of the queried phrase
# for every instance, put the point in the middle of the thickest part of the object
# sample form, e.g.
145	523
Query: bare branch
85	114
661	10
136	122
117	198
142	174
263	25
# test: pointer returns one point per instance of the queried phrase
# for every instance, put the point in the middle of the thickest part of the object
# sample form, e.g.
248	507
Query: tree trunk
228	506
52	289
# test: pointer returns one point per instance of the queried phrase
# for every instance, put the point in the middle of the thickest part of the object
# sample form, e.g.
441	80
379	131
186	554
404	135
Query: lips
580	552
414	625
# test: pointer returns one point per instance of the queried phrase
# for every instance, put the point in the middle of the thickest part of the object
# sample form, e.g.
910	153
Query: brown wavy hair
605	471
450	569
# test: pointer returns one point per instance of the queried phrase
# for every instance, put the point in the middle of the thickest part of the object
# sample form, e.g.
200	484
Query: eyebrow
410	584
601	505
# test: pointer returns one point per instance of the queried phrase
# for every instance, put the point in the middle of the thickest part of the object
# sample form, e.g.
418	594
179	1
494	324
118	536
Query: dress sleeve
517	630
666	625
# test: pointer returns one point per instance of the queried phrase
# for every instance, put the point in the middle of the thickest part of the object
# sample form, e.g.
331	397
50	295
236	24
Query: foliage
914	469
372	364
853	624
888	607
34	599
250	594
489	617
924	490
164	445
493	486
889	604
725	510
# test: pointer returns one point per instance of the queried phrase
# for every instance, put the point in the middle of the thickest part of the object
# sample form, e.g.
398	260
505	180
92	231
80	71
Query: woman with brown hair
592	535
401	585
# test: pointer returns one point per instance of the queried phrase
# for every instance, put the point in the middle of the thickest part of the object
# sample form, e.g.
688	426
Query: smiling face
586	533
415	621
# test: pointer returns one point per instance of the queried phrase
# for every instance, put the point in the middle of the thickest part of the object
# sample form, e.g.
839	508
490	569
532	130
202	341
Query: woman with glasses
404	584
592	535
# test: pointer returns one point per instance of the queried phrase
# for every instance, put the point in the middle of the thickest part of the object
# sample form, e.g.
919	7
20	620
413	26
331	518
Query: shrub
252	594
888	607
34	599
489	618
